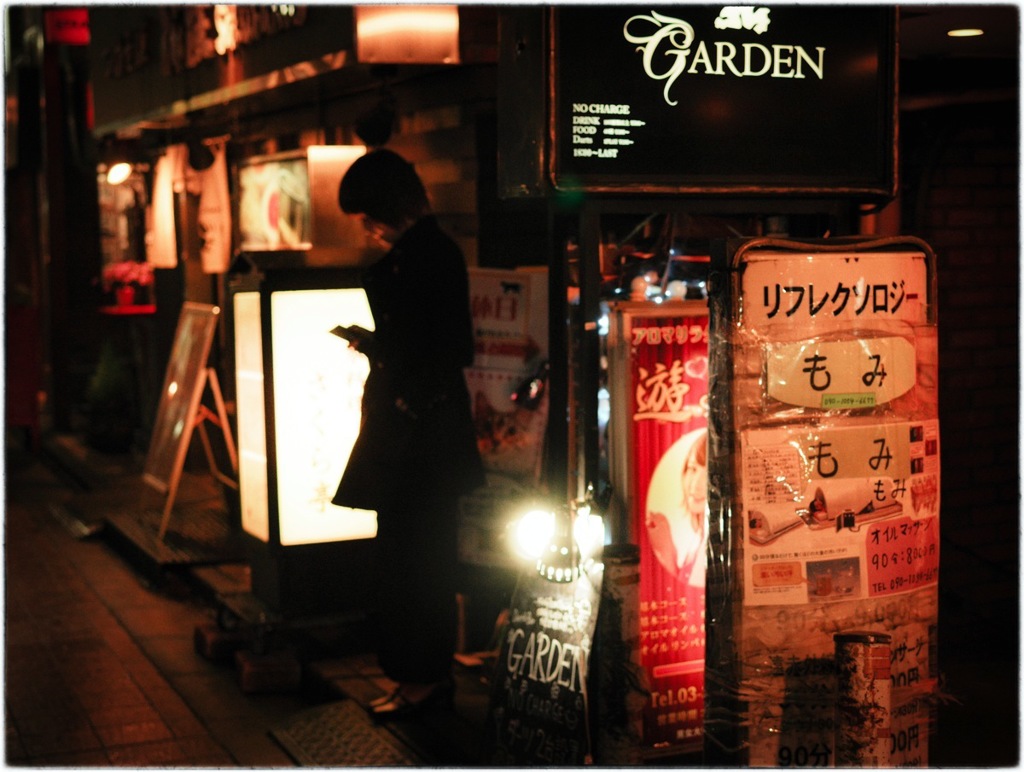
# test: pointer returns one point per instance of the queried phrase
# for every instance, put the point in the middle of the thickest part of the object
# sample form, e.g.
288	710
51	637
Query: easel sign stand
181	410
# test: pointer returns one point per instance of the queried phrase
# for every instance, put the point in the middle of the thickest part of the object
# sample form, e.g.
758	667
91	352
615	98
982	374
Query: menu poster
539	712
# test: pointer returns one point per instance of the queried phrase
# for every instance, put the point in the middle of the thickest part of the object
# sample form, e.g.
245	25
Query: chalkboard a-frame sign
538	713
793	99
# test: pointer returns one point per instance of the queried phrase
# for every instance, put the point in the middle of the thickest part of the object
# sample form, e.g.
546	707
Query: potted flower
124	278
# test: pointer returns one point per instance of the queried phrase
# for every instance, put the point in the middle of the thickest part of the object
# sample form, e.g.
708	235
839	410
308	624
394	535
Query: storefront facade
280	79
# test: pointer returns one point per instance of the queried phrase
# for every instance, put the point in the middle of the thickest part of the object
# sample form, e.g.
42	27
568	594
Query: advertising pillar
824	498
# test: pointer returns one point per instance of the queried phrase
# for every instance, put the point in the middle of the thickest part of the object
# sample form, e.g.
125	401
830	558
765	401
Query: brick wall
960	195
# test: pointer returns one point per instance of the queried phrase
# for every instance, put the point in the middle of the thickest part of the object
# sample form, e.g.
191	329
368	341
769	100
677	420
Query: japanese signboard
509	311
658	375
510	330
834	476
705	98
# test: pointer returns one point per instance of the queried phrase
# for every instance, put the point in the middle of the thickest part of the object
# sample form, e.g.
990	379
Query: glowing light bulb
119	172
966	32
533	532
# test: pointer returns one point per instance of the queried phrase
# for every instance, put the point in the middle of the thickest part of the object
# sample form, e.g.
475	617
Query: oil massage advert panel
659	384
841	500
841	513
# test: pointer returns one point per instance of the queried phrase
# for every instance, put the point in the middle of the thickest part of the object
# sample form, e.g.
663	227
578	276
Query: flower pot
125	295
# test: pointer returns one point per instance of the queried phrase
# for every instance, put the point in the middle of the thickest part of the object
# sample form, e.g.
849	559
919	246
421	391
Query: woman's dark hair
385	187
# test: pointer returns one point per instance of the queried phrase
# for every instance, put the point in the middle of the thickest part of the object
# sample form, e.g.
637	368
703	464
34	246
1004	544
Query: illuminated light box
299	390
318	412
407	34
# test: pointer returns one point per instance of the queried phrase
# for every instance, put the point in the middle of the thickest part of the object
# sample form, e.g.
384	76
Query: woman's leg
418	558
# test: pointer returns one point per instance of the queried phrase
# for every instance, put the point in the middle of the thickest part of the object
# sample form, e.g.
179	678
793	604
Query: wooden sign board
538	713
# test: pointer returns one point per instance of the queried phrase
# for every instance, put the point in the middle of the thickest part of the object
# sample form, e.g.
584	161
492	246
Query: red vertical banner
68	26
662	360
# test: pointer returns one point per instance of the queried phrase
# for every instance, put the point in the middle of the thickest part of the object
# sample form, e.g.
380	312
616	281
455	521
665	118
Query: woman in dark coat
416	453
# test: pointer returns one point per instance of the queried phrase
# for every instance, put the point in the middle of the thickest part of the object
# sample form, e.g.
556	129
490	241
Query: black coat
417	436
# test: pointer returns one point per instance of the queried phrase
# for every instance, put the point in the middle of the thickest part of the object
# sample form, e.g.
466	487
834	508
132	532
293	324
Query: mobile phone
352	333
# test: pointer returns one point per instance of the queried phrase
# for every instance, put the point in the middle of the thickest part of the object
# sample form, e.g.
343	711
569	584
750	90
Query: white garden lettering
670	49
539	657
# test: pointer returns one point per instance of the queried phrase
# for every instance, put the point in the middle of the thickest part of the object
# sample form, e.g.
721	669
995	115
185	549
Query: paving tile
176	654
97	758
40	702
89	649
20	630
123	594
60	719
104	670
120	642
204	751
29	674
155	754
184	725
123	714
118	685
212	695
115	697
165	699
175	713
249	746
53	741
157	620
133	732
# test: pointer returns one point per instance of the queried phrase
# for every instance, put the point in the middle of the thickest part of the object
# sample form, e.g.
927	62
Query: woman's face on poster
695	482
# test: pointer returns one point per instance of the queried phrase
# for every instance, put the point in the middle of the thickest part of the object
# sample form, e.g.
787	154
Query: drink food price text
600	130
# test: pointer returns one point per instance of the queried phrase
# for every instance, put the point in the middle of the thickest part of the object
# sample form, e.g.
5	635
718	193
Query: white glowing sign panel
407	34
252	427
318	388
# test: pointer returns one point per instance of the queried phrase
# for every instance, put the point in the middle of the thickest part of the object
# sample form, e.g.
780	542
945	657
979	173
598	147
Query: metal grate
199	535
341	735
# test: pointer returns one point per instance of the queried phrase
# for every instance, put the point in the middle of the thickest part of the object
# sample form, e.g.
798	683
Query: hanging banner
658	376
67	26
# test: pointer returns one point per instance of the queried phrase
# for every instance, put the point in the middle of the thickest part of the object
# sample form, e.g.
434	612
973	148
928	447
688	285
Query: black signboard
538	713
724	99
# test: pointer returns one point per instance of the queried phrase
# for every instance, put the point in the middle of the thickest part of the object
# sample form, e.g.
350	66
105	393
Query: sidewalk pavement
101	666
103	669
113	663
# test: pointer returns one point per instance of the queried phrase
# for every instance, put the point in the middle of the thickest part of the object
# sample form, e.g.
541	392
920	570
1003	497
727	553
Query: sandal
399	706
385	698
